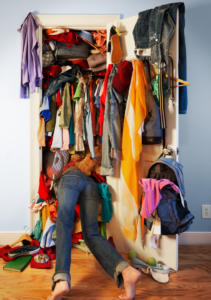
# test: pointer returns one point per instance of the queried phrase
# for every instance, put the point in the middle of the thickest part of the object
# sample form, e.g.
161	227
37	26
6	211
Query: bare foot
131	277
61	289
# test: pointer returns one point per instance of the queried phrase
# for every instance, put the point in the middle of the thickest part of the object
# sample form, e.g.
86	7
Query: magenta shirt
31	73
152	188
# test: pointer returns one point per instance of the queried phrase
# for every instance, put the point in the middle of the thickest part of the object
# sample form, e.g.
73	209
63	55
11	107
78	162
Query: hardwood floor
90	281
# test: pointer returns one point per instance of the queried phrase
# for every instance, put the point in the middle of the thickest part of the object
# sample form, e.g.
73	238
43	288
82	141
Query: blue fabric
107	209
46	239
89	130
45	112
74	186
97	100
71	129
56	82
153	29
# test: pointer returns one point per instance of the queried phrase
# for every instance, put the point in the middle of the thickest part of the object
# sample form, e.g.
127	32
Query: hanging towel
135	114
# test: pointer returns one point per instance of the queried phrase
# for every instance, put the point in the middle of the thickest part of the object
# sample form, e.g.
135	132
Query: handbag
76	51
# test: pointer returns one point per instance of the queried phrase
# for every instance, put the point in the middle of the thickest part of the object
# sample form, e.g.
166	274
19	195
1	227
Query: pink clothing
65	139
152	188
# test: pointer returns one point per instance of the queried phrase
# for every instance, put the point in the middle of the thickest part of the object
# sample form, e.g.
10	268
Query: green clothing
66	111
155	88
53	236
103	229
50	125
37	232
77	95
40	201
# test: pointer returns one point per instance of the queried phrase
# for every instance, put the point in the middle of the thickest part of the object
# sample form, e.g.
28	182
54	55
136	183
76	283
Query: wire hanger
184	83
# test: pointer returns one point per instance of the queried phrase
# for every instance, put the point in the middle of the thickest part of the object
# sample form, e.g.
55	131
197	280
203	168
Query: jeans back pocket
70	181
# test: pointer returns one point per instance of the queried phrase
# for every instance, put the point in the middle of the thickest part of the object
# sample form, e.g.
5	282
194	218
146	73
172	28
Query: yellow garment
135	114
41	133
44	216
77	226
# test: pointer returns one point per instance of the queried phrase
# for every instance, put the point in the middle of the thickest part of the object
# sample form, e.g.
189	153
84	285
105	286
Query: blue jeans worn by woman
75	185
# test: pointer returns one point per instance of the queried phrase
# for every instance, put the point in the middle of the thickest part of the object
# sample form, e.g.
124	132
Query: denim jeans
56	82
73	186
112	136
153	31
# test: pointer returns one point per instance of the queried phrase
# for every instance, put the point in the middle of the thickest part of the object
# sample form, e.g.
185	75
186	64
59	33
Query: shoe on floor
24	250
116	51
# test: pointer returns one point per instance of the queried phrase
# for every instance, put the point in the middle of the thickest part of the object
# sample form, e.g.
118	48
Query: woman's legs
104	252
68	191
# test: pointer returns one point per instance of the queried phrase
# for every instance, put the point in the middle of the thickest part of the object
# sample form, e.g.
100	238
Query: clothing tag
152	241
157	226
144	52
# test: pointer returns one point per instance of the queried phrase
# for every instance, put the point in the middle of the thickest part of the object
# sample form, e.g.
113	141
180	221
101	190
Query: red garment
99	178
43	191
36	265
71	164
82	63
111	241
49	72
58	99
103	99
49	140
92	106
76	237
72	90
100	73
77	210
51	252
68	38
53	211
4	252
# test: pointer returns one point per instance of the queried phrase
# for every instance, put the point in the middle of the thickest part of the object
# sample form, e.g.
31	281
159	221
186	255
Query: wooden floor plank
90	282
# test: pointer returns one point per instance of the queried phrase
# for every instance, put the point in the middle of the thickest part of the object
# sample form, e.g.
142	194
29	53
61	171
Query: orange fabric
135	114
41	133
92	106
53	211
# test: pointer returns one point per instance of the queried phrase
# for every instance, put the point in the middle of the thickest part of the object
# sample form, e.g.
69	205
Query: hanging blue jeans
153	31
75	185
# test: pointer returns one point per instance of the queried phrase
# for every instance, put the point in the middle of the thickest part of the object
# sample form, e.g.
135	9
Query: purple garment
31	73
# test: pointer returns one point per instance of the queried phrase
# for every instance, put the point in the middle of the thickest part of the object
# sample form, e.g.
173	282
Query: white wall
195	135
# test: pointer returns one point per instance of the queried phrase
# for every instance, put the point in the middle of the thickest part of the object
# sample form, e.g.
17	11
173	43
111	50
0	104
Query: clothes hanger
21	239
184	83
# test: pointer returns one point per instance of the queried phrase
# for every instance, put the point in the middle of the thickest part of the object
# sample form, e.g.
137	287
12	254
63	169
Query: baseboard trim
195	238
7	238
186	238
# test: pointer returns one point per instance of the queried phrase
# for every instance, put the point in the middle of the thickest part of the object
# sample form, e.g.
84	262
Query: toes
122	296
